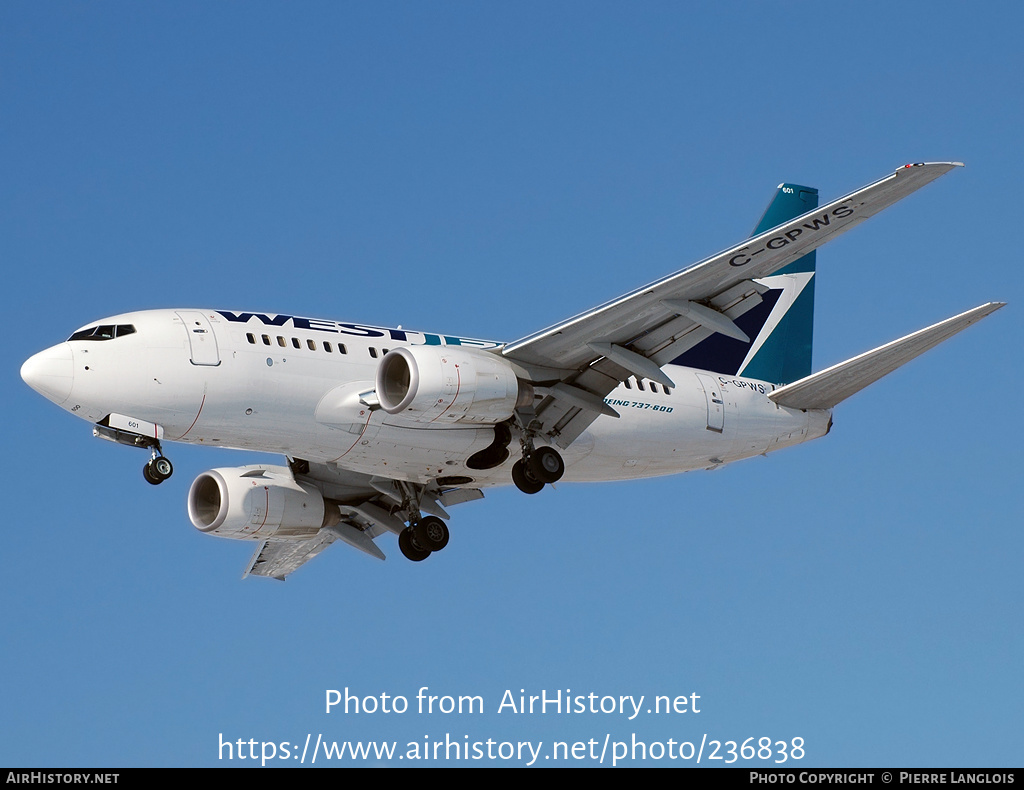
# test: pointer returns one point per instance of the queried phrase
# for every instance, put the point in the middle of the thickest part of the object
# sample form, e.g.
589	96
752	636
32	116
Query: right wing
584	358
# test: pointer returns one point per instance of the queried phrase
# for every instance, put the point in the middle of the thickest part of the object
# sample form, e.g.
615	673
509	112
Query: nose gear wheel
157	469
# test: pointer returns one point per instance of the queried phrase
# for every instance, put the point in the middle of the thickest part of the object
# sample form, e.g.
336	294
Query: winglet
835	384
922	164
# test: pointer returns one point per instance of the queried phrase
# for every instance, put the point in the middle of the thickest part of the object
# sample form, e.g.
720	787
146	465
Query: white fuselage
269	383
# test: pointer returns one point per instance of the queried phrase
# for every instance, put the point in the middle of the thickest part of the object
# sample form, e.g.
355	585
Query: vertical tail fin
781	326
781	352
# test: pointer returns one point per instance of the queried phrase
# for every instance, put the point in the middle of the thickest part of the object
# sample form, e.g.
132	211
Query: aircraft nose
51	372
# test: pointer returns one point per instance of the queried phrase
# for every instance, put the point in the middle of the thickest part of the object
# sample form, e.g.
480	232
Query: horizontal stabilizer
835	384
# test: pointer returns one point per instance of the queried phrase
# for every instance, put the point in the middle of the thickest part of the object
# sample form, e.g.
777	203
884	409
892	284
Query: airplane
384	429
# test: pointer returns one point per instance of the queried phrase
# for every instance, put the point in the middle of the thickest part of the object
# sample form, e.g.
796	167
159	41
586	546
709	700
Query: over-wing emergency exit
385	429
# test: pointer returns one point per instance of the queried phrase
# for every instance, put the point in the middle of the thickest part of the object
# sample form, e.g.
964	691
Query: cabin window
266	340
327	347
311	344
654	387
628	385
373	352
282	342
639	385
251	338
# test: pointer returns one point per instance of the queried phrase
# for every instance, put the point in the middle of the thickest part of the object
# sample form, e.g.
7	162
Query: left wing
367	506
584	358
277	558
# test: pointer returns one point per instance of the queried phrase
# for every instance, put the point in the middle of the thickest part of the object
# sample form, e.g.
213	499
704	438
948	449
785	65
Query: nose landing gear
157	469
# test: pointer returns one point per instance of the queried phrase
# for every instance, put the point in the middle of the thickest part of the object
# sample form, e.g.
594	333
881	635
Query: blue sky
485	170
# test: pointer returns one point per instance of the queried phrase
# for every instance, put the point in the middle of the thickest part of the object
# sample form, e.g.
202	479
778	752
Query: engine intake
256	503
445	385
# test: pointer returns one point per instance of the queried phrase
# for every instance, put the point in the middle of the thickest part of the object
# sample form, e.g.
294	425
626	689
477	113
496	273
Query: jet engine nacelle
257	502
448	384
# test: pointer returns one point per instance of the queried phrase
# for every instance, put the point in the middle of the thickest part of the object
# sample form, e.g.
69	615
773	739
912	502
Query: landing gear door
716	402
201	340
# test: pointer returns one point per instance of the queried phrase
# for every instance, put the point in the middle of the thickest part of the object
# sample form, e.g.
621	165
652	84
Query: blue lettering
359	331
311	323
244	318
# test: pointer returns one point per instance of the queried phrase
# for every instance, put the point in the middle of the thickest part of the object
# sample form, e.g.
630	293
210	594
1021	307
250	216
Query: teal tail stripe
781	326
785	354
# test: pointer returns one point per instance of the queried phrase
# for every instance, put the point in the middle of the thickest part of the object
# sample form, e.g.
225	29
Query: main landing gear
537	468
419	540
158	468
424	534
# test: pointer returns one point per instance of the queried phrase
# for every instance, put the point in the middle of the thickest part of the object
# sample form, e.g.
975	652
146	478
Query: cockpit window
103	332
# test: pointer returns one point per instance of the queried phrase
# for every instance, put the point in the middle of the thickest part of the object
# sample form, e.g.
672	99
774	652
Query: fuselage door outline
716	402
201	339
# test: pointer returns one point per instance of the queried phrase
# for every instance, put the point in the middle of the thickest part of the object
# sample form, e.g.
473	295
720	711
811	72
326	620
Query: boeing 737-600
385	429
